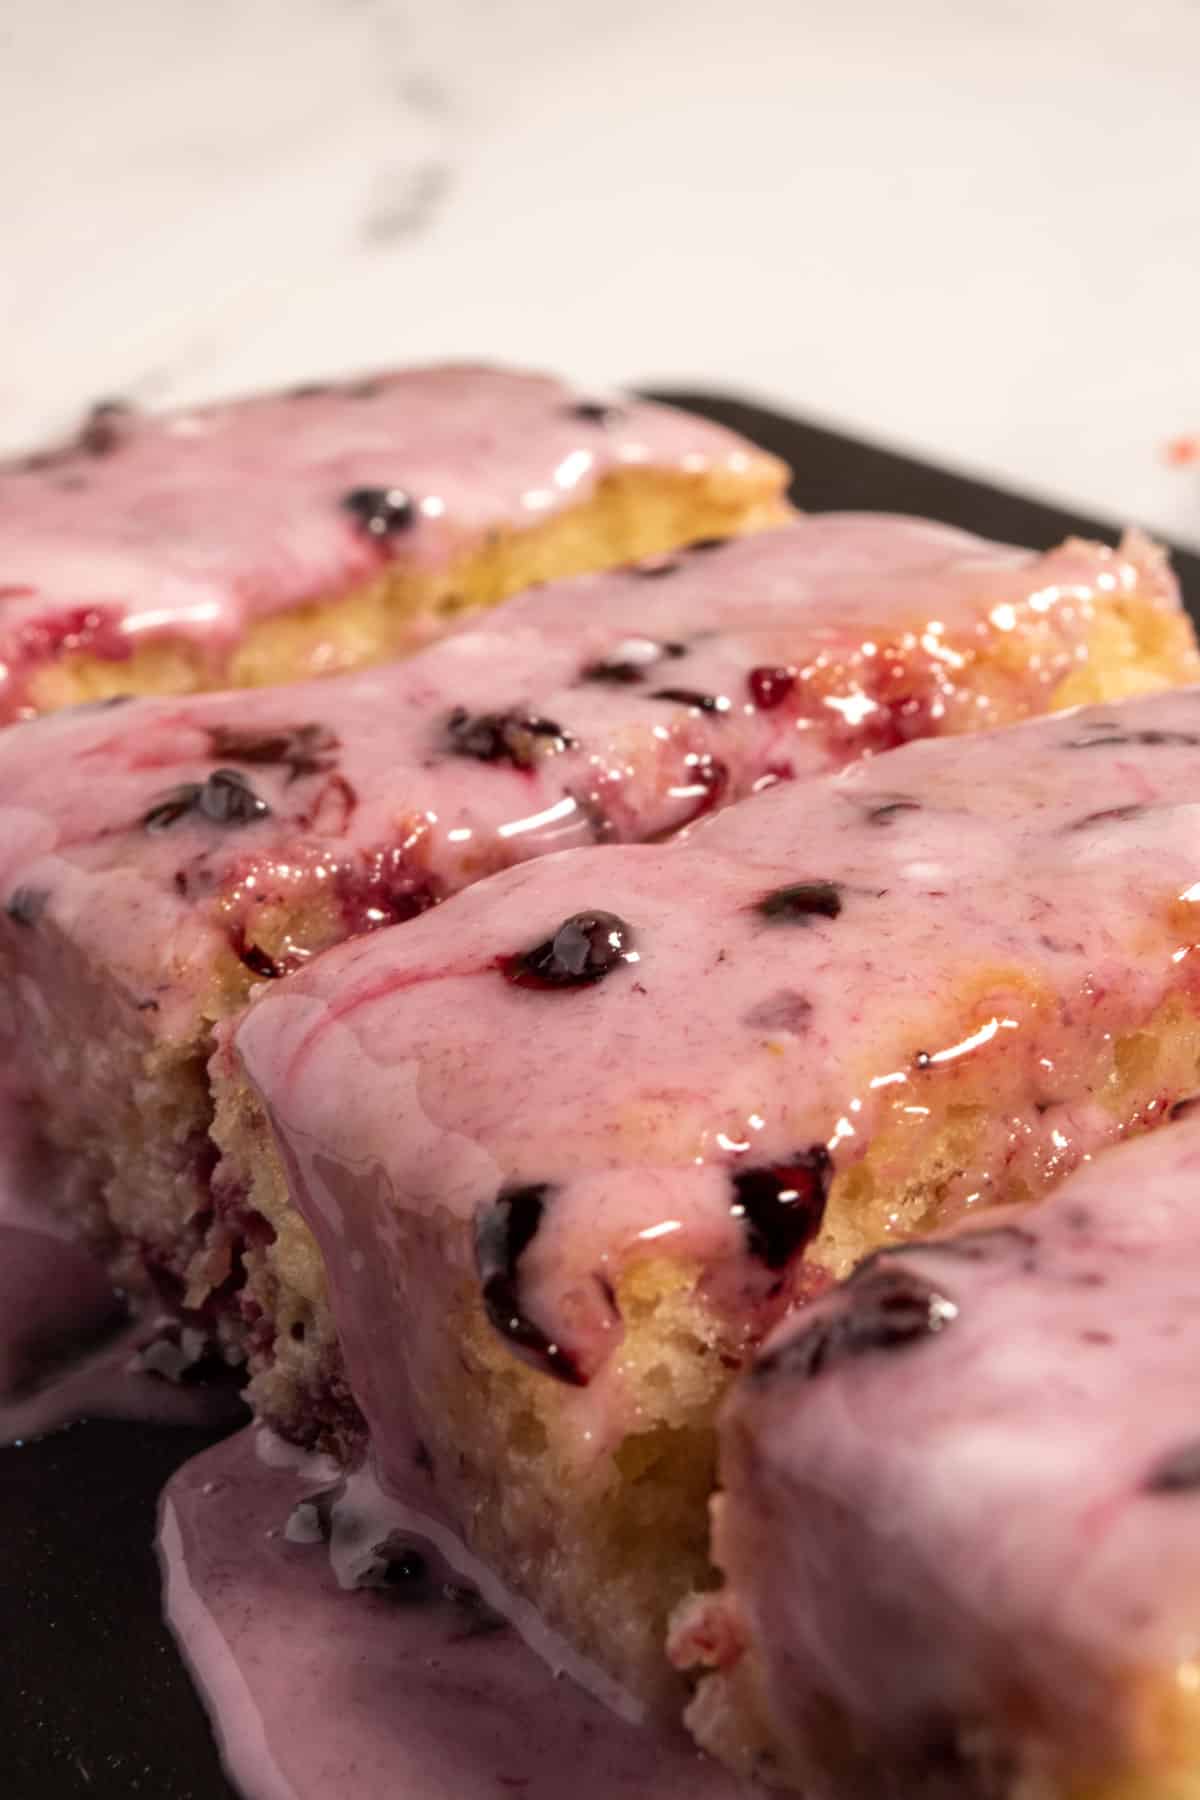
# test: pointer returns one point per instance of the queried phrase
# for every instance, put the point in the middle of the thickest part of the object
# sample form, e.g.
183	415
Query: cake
305	532
160	859
959	1518
534	1174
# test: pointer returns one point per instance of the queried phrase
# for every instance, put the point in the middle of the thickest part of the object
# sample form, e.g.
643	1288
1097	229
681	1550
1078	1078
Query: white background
967	227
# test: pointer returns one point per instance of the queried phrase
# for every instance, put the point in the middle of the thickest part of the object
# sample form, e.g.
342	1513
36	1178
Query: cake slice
161	858
305	532
535	1173
959	1519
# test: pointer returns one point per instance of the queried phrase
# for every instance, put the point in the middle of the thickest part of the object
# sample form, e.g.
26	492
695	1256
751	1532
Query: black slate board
94	1702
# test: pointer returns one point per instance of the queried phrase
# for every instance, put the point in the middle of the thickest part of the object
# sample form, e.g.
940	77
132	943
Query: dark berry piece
227	798
801	901
988	1243
300	749
783	1205
516	738
405	1568
594	412
654	571
380	511
629	661
370	389
710	543
784	1011
1112	815
770	687
255	958
709	703
26	905
886	812
618	674
1103	733
1178	1472
503	1232
105	428
884	1308
309	390
585	948
1183	1107
172	807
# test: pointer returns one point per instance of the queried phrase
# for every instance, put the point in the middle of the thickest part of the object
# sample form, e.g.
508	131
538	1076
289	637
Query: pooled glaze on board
972	922
413	1687
194	524
615	707
1016	1486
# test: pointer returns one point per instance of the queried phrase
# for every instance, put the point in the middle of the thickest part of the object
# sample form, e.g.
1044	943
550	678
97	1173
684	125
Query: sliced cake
310	531
959	1525
161	858
537	1171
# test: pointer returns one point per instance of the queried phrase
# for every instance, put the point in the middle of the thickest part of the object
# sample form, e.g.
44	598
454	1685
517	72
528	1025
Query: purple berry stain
381	512
594	412
628	662
26	905
515	738
225	798
1178	1472
800	902
300	749
503	1232
880	1308
707	703
770	687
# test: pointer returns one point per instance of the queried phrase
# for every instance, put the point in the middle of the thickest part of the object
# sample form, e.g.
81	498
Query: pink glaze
1008	903
318	1690
193	525
862	624
1016	1492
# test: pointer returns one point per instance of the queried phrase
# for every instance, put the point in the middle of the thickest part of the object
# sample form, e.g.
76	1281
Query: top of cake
196	523
615	706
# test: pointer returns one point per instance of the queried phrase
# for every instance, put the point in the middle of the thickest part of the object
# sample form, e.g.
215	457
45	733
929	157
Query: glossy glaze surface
194	524
825	970
614	707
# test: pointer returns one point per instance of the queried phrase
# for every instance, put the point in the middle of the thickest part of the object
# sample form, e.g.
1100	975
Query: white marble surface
968	227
